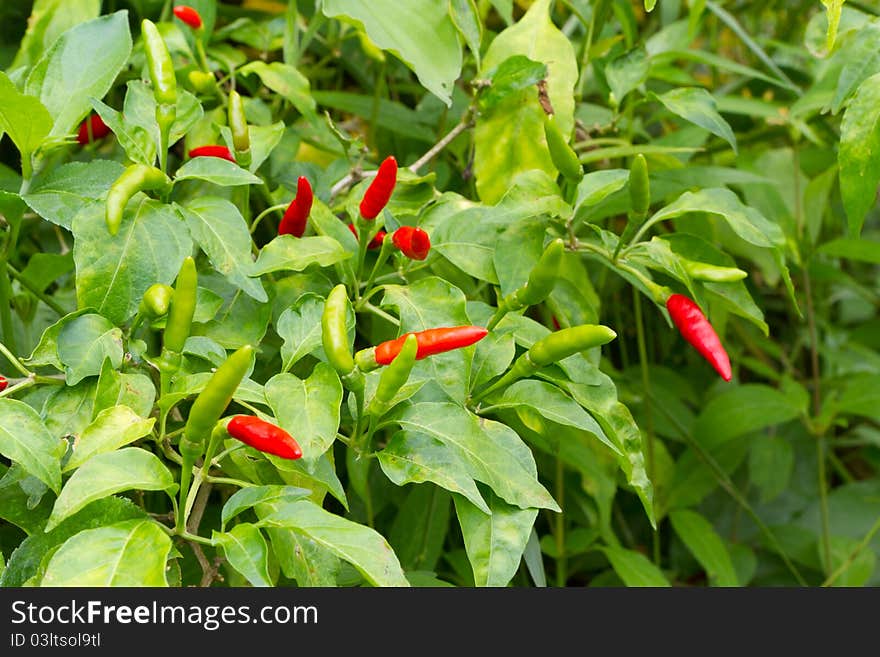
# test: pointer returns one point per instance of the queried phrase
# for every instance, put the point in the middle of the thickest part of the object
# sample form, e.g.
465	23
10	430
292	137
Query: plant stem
267	211
465	123
853	555
647	396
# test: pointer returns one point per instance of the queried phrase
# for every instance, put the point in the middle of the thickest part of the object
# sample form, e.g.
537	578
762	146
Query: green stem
33	289
230	481
267	211
863	544
649	418
16	363
380	313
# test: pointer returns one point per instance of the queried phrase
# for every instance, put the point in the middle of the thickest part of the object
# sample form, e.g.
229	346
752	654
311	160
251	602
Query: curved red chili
379	192
3	383
412	241
213	150
263	436
297	214
189	16
377	240
99	130
696	329
431	341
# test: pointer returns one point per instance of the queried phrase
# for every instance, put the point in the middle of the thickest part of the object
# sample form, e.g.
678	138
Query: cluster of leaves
628	465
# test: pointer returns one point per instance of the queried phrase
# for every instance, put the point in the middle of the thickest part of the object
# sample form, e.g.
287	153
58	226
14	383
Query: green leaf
300	328
833	9
216	170
411	457
625	73
134	390
25	440
858	153
113	428
514	74
466	16
419	32
289	253
510	139
553	404
420	528
492	452
24	119
859	570
697	105
139	111
634	568
62	192
107	474
246	498
707	547
245	549
112	273
771	464
50	19
285	80
308	408
860	250
24	562
218	228
495	543
82	64
84	343
596	186
303	559
742	410
389	115
360	546
131	553
18	503
650	4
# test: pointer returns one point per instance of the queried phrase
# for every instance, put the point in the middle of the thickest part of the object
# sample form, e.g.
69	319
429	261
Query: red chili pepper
377	240
189	16
379	192
556	324
297	214
99	129
412	241
3	383
696	329
263	436
212	150
431	341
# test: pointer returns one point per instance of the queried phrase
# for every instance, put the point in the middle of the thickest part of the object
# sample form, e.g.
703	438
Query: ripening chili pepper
263	436
564	158
297	214
213	150
379	192
334	338
639	200
430	342
92	129
703	271
551	349
238	125
136	178
377	240
182	308
189	16
412	241
202	82
394	376
696	329
3	383
156	300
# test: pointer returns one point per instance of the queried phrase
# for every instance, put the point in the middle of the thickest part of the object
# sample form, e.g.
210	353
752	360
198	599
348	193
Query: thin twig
465	123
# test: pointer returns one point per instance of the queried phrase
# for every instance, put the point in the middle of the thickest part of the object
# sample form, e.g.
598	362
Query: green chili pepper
703	271
156	300
394	376
203	83
639	200
564	158
551	349
541	281
334	337
160	64
238	123
206	411
164	84
136	178
182	308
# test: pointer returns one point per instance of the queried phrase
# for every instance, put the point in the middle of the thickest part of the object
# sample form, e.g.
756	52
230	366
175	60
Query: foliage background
760	125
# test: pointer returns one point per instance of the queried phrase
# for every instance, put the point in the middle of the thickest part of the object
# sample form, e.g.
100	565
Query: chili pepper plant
477	293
